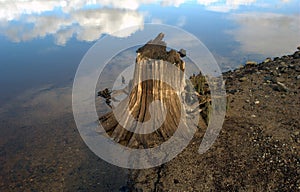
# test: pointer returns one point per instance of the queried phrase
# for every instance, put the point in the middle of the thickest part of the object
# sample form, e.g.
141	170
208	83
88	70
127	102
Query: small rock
269	79
285	57
280	87
240	67
232	91
256	102
267	60
283	64
243	79
251	63
296	55
298	77
253	116
291	66
280	79
283	69
274	73
176	181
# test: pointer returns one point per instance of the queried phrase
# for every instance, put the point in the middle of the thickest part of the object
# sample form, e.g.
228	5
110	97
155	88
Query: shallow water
41	149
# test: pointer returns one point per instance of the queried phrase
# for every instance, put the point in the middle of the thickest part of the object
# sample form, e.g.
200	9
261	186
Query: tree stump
153	108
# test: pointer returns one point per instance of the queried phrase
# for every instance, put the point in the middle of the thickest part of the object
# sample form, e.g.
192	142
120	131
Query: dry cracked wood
152	71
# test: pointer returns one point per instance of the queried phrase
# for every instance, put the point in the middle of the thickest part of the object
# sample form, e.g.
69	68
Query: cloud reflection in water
87	20
86	25
266	33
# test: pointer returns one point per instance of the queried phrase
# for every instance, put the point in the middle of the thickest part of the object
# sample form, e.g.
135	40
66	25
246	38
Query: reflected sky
42	42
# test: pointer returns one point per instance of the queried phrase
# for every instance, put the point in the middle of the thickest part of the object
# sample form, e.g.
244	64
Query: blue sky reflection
50	37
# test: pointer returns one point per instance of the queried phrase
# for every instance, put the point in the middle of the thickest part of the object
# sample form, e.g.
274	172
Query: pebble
282	86
282	63
280	79
292	66
298	77
251	63
240	67
253	116
275	73
256	102
176	181
232	91
296	55
279	87
268	79
267	60
283	70
243	79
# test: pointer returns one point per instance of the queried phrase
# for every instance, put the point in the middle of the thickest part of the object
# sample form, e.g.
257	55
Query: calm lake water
43	42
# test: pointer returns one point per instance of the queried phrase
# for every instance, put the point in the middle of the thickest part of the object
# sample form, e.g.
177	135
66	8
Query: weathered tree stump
154	80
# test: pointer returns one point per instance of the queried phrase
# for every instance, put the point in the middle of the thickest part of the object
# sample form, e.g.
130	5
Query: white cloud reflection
181	21
86	25
228	5
87	20
14	9
27	20
267	33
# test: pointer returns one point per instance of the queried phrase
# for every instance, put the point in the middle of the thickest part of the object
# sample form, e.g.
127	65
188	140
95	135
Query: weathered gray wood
152	63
